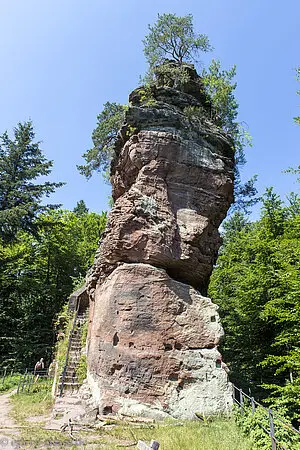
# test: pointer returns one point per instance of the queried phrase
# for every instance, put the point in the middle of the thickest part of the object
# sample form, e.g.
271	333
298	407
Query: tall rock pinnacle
153	336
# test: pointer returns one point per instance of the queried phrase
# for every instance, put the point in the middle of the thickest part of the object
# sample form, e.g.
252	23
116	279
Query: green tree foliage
37	276
80	208
297	119
174	37
256	425
256	283
220	86
104	136
21	164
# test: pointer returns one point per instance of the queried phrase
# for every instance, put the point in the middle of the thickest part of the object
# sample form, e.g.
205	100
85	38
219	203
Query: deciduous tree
37	274
104	136
174	37
256	284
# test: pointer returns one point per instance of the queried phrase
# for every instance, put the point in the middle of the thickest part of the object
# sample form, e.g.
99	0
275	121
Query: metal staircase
68	380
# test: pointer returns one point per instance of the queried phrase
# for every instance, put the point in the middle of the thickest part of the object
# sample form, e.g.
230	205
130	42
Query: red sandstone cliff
153	335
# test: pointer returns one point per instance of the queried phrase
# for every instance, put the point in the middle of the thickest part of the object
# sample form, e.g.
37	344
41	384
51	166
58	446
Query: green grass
9	383
32	434
36	437
219	434
81	369
30	404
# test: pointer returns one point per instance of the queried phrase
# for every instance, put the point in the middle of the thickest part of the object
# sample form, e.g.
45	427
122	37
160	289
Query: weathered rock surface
158	342
153	336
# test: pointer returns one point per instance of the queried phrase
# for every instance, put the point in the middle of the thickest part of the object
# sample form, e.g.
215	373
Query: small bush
252	425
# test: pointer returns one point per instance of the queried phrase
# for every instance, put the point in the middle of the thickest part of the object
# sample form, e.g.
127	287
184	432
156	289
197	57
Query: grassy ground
192	435
220	434
30	405
10	382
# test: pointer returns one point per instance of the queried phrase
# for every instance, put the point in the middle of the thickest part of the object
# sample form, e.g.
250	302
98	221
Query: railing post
19	384
272	430
24	379
31	380
241	401
253	405
4	375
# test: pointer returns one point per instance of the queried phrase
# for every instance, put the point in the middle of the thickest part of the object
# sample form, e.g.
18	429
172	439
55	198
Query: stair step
70	380
75	352
69	384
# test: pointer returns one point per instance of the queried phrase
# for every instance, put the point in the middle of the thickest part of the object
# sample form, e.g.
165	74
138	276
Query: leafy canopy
104	136
297	119
174	37
256	284
21	164
80	208
37	274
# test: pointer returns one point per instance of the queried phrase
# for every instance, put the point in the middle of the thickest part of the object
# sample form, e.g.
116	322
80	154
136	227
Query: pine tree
80	208
21	164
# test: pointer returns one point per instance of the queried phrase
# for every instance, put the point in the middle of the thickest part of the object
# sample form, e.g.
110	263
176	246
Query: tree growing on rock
297	119
104	136
171	48
174	37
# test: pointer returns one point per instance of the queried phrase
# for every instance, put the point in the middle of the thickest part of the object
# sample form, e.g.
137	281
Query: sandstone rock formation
153	336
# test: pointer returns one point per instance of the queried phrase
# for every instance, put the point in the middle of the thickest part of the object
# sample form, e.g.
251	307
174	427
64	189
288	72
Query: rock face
153	336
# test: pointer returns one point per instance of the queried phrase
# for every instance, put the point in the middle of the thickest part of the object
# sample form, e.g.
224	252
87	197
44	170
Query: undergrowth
252	426
9	382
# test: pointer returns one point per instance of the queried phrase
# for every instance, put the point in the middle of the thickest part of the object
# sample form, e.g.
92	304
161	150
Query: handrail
271	417
68	351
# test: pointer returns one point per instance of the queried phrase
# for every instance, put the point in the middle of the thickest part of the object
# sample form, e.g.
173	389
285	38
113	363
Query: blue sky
62	59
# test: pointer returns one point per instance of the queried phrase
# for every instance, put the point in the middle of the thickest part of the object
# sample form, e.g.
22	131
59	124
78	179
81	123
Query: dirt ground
8	428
